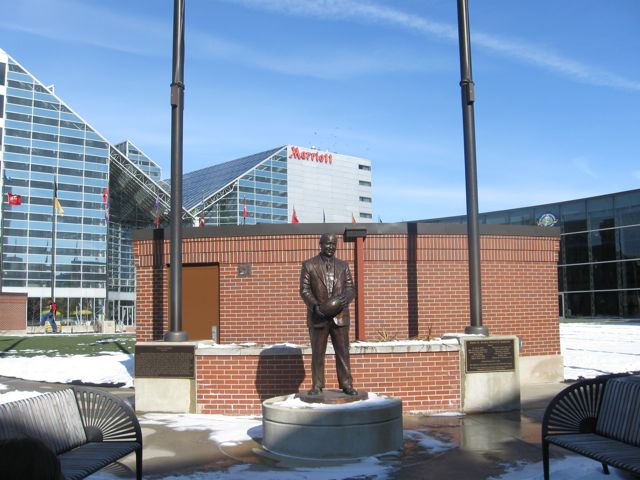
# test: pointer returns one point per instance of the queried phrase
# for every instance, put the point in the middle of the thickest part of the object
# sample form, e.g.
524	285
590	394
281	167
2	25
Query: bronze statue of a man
326	287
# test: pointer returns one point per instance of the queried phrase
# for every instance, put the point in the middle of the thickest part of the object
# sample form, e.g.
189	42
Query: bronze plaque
165	361
490	355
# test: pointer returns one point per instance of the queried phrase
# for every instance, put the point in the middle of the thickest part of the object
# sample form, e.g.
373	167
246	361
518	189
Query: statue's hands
317	311
343	301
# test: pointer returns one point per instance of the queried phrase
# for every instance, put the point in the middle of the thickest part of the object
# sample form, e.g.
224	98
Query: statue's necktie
329	275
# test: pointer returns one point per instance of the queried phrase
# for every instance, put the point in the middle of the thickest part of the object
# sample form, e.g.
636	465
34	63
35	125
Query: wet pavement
479	446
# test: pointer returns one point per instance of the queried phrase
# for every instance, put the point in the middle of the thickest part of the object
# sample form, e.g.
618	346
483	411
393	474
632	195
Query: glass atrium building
137	156
104	196
107	191
599	262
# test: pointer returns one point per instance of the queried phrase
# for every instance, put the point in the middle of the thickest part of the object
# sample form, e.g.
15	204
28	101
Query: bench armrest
105	417
576	408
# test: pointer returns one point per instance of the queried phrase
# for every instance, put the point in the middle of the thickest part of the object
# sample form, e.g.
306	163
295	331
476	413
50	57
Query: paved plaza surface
470	447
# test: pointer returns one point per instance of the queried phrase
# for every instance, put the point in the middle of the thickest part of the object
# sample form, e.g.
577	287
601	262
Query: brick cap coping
356	348
207	347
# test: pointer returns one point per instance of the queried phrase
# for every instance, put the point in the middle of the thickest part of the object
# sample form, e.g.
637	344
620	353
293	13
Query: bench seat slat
86	428
619	417
91	457
602	449
52	417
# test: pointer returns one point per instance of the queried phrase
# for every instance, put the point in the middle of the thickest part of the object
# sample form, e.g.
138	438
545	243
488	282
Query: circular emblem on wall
547	220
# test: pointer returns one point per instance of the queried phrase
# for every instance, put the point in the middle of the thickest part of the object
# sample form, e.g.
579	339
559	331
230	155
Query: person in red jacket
50	316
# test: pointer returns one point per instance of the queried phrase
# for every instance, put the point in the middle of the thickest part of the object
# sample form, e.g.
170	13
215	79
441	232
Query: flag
56	202
201	220
353	219
4	176
324	219
294	217
156	211
379	219
244	211
105	202
14	199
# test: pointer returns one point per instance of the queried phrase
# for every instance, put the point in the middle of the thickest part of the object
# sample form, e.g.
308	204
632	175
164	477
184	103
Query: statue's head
328	244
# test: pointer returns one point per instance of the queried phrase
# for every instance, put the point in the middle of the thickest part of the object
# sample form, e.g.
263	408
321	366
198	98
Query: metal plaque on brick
157	361
490	355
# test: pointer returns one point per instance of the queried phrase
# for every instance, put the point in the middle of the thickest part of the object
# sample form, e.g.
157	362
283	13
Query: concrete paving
486	443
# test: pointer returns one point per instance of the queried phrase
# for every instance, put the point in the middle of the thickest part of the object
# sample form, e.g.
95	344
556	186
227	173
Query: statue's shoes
315	391
350	391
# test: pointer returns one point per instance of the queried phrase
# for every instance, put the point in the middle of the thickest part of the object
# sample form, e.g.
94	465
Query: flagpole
470	168
175	333
53	241
105	310
2	212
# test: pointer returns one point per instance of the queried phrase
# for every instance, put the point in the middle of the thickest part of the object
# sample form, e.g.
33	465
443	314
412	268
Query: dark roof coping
339	228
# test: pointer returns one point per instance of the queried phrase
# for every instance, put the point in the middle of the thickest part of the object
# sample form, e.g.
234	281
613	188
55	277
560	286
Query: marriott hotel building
108	190
268	187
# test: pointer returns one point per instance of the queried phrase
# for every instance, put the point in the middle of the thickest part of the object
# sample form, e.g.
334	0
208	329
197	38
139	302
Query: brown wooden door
200	301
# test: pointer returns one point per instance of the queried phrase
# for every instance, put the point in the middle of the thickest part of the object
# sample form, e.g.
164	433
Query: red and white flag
244	211
294	217
14	199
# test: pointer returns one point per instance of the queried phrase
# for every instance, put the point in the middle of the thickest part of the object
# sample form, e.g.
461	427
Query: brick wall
237	384
416	285
13	308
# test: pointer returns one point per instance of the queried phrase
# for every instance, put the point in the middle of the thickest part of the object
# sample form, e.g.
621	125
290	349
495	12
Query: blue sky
557	88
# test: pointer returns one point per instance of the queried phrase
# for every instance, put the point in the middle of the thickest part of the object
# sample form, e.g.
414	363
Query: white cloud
508	47
87	23
316	64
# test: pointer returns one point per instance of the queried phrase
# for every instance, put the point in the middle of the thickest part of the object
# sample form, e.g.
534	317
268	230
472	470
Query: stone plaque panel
490	355
158	361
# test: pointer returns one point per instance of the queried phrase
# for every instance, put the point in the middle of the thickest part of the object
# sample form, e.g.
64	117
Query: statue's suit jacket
314	291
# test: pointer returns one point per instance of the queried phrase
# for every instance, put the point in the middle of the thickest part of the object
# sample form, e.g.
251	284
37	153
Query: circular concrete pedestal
343	431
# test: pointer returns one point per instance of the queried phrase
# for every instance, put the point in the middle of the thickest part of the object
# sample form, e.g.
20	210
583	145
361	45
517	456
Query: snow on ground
589	349
223	429
108	368
367	468
374	400
569	468
592	349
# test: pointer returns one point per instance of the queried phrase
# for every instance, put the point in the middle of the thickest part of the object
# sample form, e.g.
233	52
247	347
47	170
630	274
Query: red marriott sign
313	156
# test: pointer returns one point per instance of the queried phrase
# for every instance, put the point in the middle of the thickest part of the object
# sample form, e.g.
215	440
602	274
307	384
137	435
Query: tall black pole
175	333
53	240
2	237
471	177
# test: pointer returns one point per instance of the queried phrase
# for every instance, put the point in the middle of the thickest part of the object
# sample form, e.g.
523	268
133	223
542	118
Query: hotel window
364	183
3	73
366	168
365	199
366	215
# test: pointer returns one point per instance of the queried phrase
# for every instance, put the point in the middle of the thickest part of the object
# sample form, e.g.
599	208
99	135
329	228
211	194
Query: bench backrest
52	417
619	416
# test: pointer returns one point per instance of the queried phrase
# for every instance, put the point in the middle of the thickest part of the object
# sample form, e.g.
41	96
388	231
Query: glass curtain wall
599	265
138	157
45	141
264	192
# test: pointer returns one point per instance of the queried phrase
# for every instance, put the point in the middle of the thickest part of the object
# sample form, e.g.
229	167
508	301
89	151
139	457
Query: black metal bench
86	428
598	418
